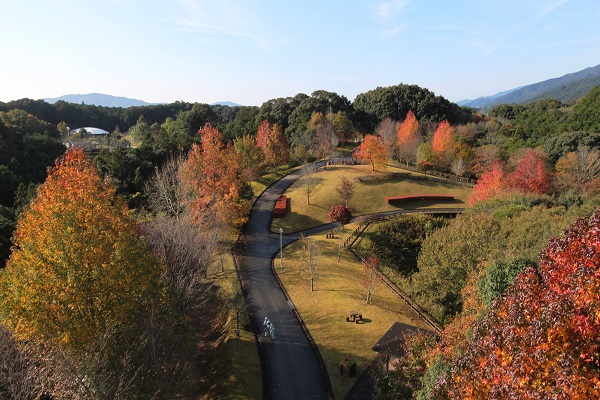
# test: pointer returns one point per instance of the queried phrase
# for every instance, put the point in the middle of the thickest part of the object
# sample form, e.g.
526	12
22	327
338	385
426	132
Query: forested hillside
537	168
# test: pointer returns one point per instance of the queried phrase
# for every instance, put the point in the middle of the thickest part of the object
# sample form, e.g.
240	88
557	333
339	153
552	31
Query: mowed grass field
369	197
338	289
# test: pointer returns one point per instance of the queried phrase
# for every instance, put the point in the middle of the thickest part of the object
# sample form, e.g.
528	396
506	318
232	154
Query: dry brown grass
369	197
338	289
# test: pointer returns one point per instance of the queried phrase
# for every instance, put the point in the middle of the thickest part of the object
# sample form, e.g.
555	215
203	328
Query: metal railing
365	221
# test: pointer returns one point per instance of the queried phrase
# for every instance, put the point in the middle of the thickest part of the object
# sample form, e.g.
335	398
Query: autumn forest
111	243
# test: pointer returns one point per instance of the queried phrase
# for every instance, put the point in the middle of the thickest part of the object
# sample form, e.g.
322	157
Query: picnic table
354	316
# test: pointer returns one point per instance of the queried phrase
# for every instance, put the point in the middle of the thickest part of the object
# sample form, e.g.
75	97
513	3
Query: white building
89	131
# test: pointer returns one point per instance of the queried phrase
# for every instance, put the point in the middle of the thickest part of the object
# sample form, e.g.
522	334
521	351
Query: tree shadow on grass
411	204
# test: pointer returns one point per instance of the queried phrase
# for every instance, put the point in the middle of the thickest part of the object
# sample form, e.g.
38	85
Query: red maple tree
340	214
541	339
531	174
491	184
263	133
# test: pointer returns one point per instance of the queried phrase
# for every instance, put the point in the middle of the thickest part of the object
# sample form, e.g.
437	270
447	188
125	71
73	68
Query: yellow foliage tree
77	268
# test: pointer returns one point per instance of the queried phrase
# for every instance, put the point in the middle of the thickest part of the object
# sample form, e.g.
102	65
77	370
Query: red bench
280	207
400	199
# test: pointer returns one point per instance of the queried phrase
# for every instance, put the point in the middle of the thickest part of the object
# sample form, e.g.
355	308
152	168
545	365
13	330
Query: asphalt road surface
290	368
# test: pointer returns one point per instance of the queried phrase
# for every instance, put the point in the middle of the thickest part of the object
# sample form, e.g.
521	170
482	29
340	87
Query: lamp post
281	248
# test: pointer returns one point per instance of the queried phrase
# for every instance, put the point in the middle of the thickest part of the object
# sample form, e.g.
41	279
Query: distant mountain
99	99
485	99
570	92
226	103
566	88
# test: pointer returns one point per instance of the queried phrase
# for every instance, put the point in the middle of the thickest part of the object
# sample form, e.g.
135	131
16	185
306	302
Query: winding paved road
290	368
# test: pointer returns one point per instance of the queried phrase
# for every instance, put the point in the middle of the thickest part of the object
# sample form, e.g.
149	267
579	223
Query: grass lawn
369	197
338	289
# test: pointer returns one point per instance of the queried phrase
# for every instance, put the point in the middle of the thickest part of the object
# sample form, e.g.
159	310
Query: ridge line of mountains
106	100
566	89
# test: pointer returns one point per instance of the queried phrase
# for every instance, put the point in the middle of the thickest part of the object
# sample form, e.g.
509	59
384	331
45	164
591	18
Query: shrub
340	214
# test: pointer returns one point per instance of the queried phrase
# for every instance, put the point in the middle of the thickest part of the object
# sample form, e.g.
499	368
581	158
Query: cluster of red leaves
339	214
425	166
531	175
489	185
542	339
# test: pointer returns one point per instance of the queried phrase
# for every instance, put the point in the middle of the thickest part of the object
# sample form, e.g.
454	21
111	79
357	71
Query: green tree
499	276
397	244
395	102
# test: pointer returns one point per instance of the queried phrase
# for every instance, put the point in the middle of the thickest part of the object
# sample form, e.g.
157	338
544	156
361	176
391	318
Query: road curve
290	368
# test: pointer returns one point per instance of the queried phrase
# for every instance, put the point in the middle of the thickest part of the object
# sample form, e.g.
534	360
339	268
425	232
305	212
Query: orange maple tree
408	138
77	267
273	144
491	184
373	151
214	171
409	129
263	133
443	141
276	150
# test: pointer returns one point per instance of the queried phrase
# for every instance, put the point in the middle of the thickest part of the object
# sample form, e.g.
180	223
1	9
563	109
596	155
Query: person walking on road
272	331
266	326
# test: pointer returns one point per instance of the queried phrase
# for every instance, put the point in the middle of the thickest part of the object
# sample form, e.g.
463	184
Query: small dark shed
391	344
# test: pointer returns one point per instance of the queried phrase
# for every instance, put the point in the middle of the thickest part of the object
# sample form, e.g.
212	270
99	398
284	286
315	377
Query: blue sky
251	51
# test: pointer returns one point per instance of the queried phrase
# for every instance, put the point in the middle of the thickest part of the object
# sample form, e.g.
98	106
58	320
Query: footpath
290	366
